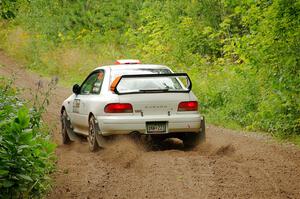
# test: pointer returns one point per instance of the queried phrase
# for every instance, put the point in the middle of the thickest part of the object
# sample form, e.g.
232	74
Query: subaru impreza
133	98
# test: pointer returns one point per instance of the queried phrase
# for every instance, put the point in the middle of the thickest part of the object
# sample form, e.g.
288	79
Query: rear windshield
151	84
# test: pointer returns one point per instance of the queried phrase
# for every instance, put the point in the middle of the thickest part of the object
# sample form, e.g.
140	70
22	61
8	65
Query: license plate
156	127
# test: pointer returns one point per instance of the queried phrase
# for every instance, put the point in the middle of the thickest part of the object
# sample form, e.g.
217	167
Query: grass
71	63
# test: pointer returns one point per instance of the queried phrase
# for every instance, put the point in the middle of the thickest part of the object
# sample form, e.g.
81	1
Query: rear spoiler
118	79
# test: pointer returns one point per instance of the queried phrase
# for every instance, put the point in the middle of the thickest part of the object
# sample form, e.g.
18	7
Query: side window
92	85
96	88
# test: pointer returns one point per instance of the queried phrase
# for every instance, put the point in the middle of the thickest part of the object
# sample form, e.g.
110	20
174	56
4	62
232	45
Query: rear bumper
118	125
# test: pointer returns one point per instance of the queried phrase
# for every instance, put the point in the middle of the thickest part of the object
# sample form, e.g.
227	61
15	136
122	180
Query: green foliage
26	152
243	56
272	48
8	8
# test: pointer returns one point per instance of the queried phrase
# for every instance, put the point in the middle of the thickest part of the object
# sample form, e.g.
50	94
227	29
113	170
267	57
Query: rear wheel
93	131
64	128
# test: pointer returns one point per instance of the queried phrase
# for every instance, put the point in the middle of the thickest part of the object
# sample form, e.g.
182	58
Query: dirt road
230	165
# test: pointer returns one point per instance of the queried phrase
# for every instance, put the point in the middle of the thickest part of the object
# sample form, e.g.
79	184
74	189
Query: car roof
132	66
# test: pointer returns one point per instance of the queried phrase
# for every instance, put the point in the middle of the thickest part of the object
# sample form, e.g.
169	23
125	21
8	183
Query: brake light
188	106
118	108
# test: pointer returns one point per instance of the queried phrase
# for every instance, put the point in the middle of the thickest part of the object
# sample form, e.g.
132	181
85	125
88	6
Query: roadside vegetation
243	56
26	150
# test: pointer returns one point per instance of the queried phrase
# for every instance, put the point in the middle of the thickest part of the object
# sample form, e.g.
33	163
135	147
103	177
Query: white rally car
130	97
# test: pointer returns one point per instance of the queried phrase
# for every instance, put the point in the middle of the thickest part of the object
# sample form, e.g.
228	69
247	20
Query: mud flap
202	130
71	134
101	140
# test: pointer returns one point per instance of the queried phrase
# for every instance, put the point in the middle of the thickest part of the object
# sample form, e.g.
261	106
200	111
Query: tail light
118	108
188	106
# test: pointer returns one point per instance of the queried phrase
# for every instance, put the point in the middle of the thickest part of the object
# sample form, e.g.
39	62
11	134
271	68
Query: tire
93	131
64	128
192	140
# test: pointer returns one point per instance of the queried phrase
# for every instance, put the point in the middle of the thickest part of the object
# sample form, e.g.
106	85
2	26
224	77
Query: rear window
149	84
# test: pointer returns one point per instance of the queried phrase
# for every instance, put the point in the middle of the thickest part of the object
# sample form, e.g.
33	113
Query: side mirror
76	89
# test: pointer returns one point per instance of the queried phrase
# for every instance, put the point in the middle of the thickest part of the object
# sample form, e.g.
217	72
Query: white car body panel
147	107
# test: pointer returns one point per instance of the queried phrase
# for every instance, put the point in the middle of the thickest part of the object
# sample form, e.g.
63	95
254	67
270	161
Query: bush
26	150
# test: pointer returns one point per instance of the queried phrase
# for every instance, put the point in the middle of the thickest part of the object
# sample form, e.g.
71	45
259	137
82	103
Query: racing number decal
76	105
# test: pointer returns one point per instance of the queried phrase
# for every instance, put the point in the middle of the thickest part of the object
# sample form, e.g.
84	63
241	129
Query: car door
90	88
